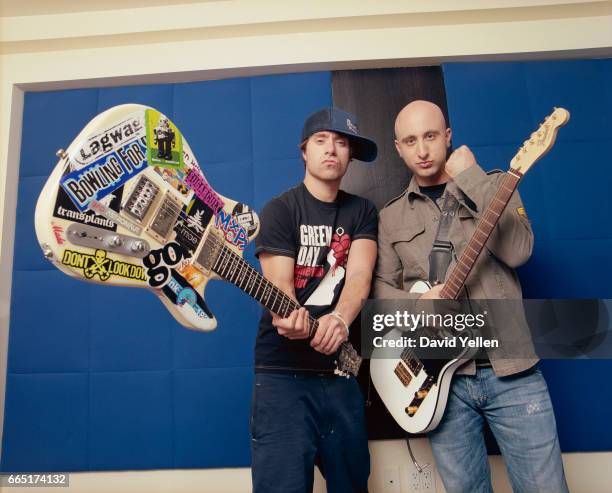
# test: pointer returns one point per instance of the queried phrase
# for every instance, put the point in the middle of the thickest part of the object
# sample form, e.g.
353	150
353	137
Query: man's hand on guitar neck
295	326
330	334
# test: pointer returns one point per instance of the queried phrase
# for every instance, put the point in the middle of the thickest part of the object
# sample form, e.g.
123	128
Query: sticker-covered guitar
127	204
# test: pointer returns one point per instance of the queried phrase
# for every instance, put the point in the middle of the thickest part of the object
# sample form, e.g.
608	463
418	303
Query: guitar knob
61	153
116	241
138	247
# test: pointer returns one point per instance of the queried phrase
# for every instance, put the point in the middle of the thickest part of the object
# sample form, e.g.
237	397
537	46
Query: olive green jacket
406	231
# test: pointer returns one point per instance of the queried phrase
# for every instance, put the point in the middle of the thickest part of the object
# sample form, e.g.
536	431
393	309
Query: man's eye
343	143
431	136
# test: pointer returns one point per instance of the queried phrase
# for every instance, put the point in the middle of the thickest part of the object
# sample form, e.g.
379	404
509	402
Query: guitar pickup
164	219
403	374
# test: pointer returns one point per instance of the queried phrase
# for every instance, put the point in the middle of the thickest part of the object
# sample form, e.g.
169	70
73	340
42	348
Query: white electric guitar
415	390
127	204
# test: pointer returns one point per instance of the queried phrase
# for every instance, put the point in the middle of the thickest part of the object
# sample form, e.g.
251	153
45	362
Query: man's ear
449	137
397	147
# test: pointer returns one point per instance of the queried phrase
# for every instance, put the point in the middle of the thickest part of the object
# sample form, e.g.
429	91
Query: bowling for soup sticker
164	141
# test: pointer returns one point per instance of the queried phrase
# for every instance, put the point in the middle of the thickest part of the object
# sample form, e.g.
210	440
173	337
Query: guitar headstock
540	141
348	362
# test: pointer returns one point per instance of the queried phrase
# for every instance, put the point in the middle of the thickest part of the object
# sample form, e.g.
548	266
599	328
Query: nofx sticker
164	141
98	179
102	266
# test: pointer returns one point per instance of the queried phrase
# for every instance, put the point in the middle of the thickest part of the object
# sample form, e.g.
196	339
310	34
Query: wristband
339	317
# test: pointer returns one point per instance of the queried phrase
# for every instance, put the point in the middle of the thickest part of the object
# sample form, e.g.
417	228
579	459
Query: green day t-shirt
318	236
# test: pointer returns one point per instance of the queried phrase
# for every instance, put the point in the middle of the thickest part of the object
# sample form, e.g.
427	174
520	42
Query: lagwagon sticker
101	266
102	143
164	141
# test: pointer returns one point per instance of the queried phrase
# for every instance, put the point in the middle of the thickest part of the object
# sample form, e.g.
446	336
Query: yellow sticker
521	212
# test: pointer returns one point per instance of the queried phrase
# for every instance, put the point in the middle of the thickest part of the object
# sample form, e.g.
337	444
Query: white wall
70	43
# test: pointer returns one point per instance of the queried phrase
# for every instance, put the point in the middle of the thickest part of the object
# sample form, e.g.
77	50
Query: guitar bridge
139	202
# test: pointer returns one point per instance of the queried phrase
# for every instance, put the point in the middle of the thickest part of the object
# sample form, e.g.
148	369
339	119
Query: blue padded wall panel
212	417
215	118
232	179
485	106
231	344
121	339
49	323
130	422
579	86
273	177
151	393
28	254
580	430
48	417
158	96
493	108
51	120
280	105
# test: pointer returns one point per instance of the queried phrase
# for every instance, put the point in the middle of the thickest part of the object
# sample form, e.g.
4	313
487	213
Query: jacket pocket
412	249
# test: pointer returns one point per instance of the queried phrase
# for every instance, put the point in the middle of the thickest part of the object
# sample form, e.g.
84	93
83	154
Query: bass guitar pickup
101	239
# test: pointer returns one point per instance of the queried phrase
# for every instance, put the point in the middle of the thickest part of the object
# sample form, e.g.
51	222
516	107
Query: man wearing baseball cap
317	243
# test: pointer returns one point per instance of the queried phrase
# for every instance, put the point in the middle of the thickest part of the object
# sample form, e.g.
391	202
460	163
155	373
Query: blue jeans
520	414
298	421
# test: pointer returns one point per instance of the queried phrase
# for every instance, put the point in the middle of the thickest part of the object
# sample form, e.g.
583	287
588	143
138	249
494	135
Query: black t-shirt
317	235
434	192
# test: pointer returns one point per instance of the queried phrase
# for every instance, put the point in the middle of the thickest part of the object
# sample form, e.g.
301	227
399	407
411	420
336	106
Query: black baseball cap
342	122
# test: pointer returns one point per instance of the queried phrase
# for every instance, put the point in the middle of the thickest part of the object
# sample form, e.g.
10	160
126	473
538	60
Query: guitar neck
456	280
245	277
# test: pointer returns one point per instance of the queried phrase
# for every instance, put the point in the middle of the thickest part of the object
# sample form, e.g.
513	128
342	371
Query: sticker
233	232
203	190
100	178
58	232
175	178
179	292
247	218
105	211
158	263
521	212
102	266
191	223
194	276
115	137
164	141
65	209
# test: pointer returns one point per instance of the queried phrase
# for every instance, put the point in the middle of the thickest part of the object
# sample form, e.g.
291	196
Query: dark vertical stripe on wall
375	97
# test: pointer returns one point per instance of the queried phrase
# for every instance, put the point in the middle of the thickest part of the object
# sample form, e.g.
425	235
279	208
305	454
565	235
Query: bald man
509	392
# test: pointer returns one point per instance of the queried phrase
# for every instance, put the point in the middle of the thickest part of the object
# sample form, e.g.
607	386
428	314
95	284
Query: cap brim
363	149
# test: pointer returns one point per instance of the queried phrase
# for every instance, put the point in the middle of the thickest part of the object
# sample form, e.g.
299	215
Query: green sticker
164	141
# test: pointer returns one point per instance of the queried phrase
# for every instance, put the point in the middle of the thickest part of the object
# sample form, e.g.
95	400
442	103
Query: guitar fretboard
244	276
456	280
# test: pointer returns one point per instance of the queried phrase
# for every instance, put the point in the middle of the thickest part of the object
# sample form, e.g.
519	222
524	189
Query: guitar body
405	381
127	204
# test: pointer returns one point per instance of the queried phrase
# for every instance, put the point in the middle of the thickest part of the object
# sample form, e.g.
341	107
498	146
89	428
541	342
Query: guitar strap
440	255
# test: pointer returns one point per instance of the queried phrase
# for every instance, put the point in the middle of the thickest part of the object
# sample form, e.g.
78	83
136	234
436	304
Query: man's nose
422	149
330	146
